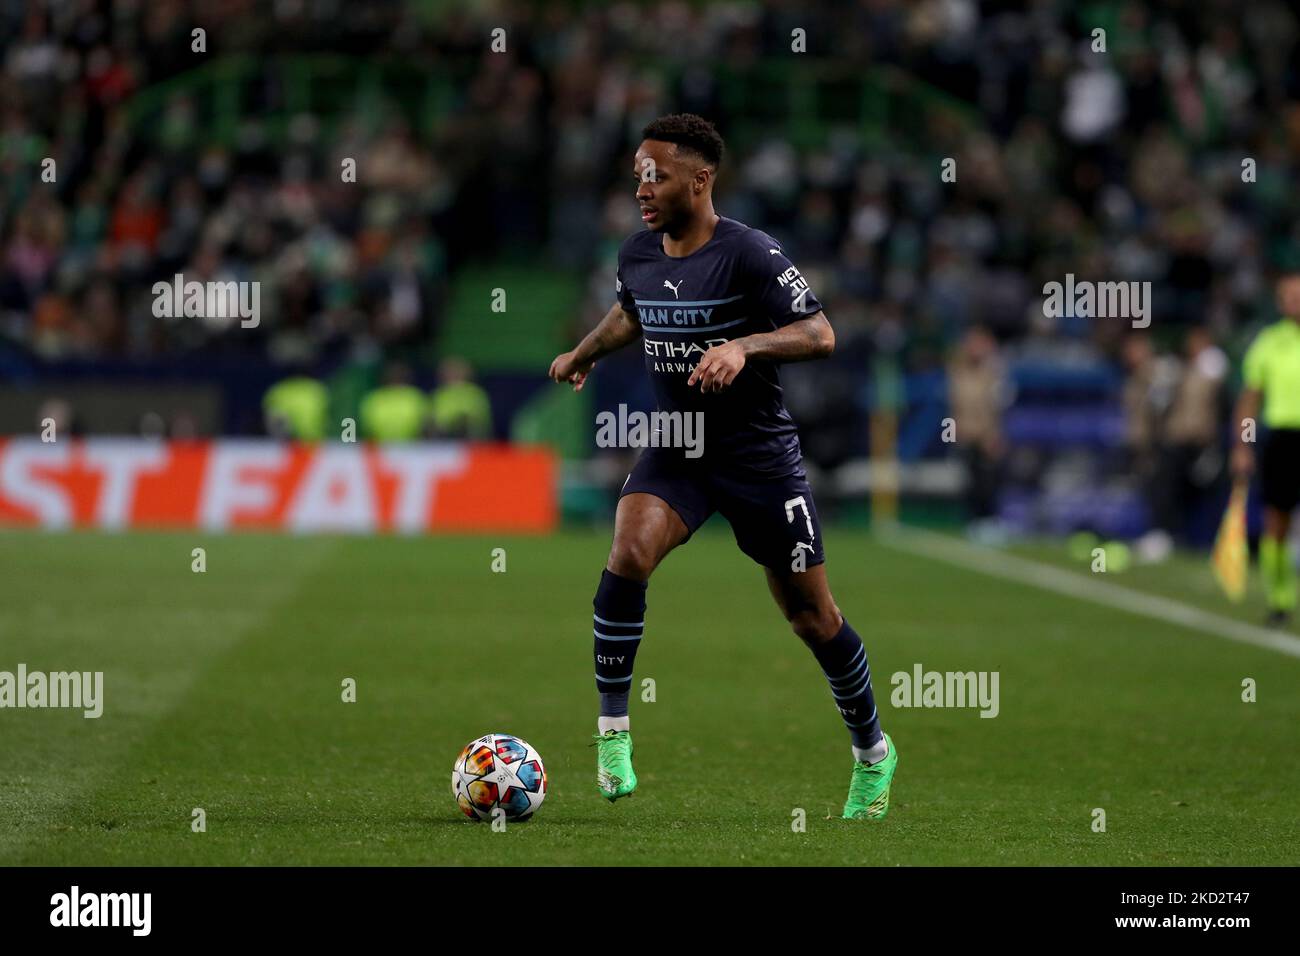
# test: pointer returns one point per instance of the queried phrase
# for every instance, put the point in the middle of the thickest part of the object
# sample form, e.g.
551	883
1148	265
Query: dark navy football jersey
738	283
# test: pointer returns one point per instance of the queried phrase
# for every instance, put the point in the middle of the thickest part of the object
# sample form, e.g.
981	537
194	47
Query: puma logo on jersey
669	285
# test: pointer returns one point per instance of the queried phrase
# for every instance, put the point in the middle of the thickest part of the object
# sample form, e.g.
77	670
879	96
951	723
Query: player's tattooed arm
801	340
617	329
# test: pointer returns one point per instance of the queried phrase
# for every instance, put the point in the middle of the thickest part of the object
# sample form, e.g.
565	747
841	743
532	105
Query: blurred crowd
345	268
1122	164
1166	154
397	410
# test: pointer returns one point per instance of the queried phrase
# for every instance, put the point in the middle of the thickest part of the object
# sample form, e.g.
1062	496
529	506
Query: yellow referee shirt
1272	366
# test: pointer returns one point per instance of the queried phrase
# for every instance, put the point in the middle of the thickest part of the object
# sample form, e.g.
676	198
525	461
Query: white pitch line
1010	567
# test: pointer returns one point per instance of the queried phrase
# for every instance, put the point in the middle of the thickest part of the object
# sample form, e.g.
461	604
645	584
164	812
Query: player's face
1288	296
667	185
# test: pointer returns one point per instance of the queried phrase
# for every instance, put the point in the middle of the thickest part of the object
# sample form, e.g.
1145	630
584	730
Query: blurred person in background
459	407
396	410
57	419
1189	456
183	425
1271	379
296	408
977	394
1149	384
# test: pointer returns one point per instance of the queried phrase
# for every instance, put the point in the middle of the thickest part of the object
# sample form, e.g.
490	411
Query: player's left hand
718	367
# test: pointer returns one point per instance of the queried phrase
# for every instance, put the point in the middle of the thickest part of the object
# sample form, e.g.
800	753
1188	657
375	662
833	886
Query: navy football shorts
774	519
1279	469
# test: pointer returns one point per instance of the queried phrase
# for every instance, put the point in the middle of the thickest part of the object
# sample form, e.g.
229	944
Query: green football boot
614	774
869	788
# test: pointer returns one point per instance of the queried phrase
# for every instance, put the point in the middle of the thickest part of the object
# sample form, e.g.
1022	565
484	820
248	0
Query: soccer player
1271	373
717	306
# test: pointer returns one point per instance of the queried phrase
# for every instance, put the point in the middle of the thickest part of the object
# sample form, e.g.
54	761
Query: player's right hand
1243	461
566	368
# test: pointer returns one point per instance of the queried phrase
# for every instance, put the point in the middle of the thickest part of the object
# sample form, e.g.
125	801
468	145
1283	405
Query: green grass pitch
223	692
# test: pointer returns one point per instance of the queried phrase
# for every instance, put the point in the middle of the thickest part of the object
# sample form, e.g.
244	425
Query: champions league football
498	775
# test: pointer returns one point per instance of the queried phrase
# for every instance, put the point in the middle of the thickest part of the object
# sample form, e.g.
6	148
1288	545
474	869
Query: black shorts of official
774	519
1279	469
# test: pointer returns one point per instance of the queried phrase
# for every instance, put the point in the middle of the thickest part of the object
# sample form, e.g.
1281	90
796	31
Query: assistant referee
1271	373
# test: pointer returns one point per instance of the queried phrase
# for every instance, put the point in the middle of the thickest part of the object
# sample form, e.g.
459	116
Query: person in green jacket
396	410
1271	374
295	408
458	407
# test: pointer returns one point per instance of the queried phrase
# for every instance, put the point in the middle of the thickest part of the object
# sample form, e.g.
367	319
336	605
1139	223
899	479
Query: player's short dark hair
688	131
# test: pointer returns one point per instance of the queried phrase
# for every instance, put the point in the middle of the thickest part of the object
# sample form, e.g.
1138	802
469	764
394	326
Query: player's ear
702	177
